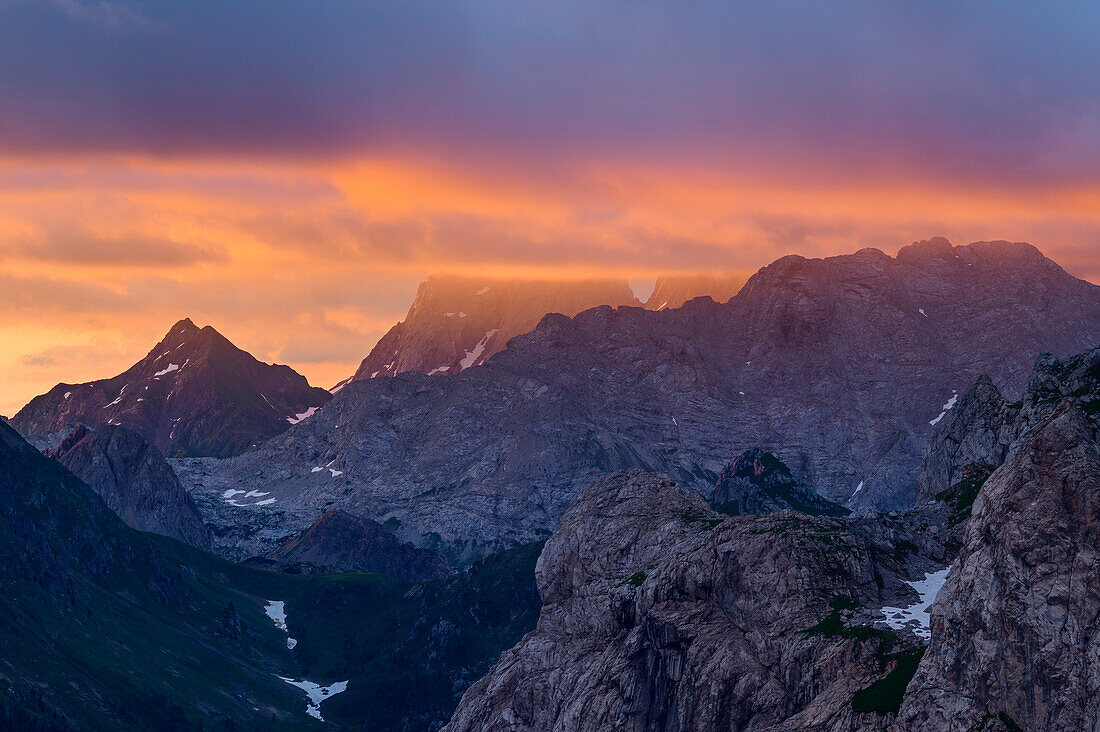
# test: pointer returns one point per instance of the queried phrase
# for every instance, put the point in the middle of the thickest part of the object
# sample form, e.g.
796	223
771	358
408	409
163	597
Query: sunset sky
289	171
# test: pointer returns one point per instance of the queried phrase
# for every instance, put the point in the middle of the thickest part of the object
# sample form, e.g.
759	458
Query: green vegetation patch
705	522
885	695
634	580
960	497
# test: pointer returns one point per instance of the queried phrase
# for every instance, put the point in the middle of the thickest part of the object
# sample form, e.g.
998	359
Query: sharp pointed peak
183	327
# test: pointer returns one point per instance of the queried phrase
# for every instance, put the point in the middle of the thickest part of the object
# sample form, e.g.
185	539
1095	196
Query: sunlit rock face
458	322
672	291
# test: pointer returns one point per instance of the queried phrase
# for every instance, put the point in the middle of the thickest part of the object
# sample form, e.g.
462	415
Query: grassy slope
103	627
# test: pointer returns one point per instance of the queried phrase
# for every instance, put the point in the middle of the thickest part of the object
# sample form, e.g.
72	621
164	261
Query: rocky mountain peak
193	394
984	428
759	482
672	291
1014	628
844	373
937	247
457	321
344	542
134	481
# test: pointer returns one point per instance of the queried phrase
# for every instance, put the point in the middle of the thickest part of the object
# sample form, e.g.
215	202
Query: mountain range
860	494
841	367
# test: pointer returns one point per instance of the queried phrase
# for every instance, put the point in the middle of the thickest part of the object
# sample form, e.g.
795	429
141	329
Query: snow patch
916	617
946	408
68	394
231	497
304	415
276	610
471	357
439	369
335	472
317	694
857	490
167	370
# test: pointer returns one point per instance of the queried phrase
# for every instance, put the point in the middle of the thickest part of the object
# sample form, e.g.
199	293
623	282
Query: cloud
935	90
66	355
64	241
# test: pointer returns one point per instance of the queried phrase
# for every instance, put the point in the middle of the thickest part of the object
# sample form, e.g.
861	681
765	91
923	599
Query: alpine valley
848	494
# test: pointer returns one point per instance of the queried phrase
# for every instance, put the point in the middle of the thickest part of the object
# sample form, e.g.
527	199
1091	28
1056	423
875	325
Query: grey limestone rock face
134	481
837	366
1015	632
659	614
984	427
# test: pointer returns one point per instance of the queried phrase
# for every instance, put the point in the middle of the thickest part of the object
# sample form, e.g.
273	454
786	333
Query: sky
289	171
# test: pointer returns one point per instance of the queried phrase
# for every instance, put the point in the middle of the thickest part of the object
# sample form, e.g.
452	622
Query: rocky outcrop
342	542
194	394
134	481
758	482
985	427
659	614
672	291
1015	635
837	366
458	322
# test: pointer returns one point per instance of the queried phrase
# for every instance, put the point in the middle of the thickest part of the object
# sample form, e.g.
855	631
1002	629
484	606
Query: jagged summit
194	394
134	481
457	321
672	291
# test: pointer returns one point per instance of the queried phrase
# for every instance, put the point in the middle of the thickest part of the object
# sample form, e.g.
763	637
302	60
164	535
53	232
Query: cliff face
134	481
194	394
659	614
458	322
985	427
839	367
1015	631
672	291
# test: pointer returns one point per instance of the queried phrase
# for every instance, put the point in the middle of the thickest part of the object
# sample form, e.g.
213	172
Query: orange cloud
309	261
